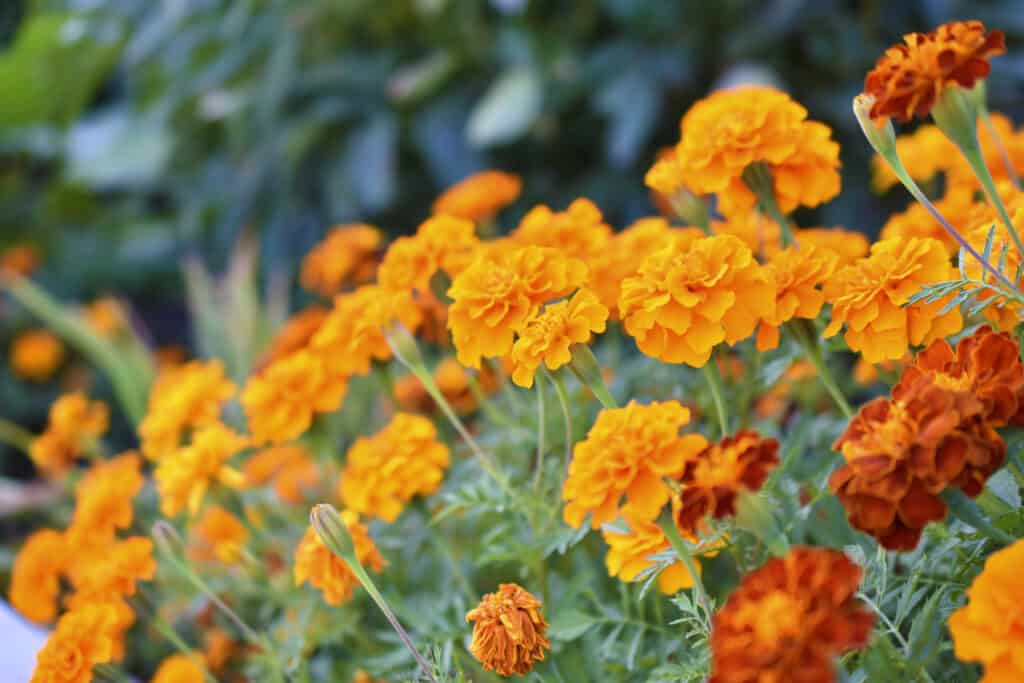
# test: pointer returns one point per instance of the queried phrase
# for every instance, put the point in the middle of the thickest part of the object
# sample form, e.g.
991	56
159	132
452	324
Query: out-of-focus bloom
290	468
909	78
790	619
848	245
714	477
509	631
218	648
546	337
294	335
105	316
1010	141
480	196
785	391
627	453
35	577
363	677
441	243
495	296
19	259
917	221
182	398
103	498
623	256
990	627
924	153
219	535
798	274
453	381
314	562
384	471
579	231
74	424
178	668
411	396
113	571
760	233
687	298
346	255
183	477
1002	313
870	298
36	354
866	374
81	640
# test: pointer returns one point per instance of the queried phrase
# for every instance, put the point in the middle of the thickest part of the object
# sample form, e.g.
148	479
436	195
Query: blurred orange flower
441	243
74	424
219	535
36	354
35	576
81	640
178	668
347	255
183	477
480	196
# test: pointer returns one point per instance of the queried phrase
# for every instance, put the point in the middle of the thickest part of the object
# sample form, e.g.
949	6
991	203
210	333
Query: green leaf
571	624
507	109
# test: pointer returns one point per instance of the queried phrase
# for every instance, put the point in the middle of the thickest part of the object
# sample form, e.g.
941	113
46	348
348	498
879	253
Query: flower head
106	316
509	631
795	614
36	354
917	221
579	231
289	468
103	498
81	640
346	255
1003	313
294	335
441	243
623	256
848	245
760	233
480	196
74	423
19	259
798	275
35	577
627	453
113	571
183	477
219	535
909	78
178	668
315	563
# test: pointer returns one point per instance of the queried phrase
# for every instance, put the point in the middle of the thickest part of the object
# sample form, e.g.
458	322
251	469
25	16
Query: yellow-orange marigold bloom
19	259
990	627
315	563
81	640
74	422
480	196
509	631
924	153
811	175
546	337
798	274
35	577
294	335
579	231
103	498
790	619
178	668
848	245
498	293
1000	312
219	535
105	316
183	477
36	354
441	243
114	571
760	233
627	453
909	78
623	257
346	255
384	471
629	553
453	381
290	468
870	298
687	298
714	477
917	221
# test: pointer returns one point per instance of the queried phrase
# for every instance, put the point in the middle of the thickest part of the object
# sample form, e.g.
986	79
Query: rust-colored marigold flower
294	335
714	477
442	243
289	468
546	337
790	619
687	298
178	668
917	221
623	257
509	631
990	627
183	477
848	245
36	354
385	471
19	259
81	640
627	453
870	298
1000	312
480	196
495	296
219	535
35	577
103	498
74	424
909	78
798	274
315	563
347	255
579	231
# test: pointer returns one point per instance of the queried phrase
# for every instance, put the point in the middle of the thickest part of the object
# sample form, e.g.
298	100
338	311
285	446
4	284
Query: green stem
1011	172
538	473
586	368
967	511
16	436
814	354
758	178
977	163
714	381
671	531
563	401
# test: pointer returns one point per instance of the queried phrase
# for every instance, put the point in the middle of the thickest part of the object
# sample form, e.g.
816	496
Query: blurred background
137	133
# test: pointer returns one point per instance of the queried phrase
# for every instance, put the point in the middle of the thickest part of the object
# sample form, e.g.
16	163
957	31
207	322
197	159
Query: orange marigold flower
453	380
103	498
35	577
909	78
411	396
687	298
1000	312
917	221
579	231
290	468
294	335
509	631
714	477
105	316
795	614
178	668
924	153
760	233
315	563
347	254
798	274
74	424
627	453
623	257
114	571
19	259
384	471
81	640
219	535
36	355
870	298
990	627
546	337
495	296
183	477
442	243
480	196
218	648
848	245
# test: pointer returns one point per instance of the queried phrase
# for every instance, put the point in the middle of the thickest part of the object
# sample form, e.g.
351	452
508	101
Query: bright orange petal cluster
315	563
294	335
36	354
35	577
798	274
623	256
630	551
480	196
848	245
579	231
290	469
348	255
178	668
509	631
74	423
443	243
183	477
103	498
81	640
219	535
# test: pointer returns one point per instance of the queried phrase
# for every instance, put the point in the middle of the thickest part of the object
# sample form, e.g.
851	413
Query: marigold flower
19	259
442	243
81	640
480	196
509	631
384	471
220	535
35	577
495	296
917	221
848	245
760	233
1000	312
103	498
990	627
627	453
453	381
686	299
347	254
870	298
178	668
183	477
294	335
623	257
36	354
715	476
798	274
105	316
290	468
218	648
795	614
114	572
74	423
579	231
315	563
909	78
546	337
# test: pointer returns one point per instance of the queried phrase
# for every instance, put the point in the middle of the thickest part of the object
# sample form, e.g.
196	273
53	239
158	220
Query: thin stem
758	178
16	436
563	401
541	422
671	531
977	162
813	353
1011	172
714	381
